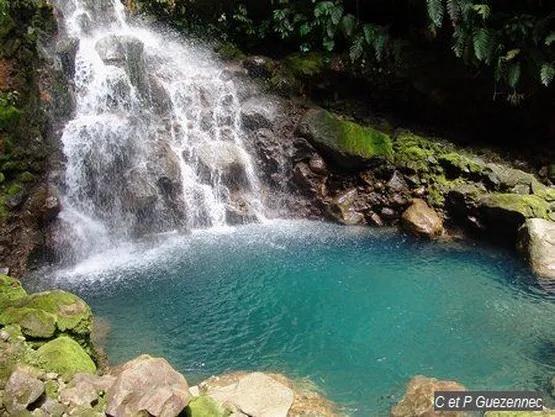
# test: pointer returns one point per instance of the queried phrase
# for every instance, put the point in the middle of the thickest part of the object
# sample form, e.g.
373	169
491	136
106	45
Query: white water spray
155	143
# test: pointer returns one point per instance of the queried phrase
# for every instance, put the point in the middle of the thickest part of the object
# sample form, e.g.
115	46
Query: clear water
358	311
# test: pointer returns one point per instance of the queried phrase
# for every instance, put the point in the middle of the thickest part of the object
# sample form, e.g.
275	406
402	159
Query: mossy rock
528	206
71	312
34	322
205	406
416	153
456	164
10	291
348	144
63	355
305	65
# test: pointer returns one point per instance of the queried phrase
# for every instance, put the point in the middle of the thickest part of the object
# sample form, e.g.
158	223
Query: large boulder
22	389
537	241
419	398
148	385
256	395
421	220
225	158
10	291
63	355
348	144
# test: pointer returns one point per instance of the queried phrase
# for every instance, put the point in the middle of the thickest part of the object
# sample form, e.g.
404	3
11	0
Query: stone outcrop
537	241
421	220
147	385
419	398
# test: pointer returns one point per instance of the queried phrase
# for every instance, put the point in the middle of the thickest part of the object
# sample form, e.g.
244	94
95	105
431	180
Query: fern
547	73
379	46
356	49
549	39
481	43
370	32
483	10
513	75
435	12
459	37
454	10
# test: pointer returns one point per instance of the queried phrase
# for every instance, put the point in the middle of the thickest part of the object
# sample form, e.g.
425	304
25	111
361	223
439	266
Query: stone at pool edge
421	220
536	239
63	355
419	398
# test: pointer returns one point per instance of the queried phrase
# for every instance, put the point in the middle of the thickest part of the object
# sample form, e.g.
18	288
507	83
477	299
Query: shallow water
356	310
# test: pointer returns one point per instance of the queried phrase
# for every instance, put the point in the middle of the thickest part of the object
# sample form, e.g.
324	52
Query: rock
227	158
388	213
204	406
343	210
318	165
22	389
53	408
258	113
256	395
10	290
537	241
148	385
347	144
85	389
376	220
421	220
419	399
306	179
64	356
42	313
397	184
259	66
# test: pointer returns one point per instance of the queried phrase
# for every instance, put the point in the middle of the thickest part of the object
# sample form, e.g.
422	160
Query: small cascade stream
155	143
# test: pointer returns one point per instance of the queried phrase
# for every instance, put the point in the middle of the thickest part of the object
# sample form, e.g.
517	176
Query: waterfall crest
155	142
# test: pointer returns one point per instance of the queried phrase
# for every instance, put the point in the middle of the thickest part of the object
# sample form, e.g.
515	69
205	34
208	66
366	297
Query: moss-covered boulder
63	355
204	406
347	144
10	291
44	314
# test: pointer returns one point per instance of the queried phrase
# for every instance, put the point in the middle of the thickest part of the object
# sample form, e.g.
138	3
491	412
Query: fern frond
547	73
513	75
483	10
379	46
549	39
435	12
369	33
454	10
459	41
356	49
480	40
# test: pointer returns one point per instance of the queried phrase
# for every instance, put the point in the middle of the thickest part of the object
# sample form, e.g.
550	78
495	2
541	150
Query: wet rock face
148	385
537	242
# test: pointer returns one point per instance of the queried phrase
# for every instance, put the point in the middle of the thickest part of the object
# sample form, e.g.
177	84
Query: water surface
356	310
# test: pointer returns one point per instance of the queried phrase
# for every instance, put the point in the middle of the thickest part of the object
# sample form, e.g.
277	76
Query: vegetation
512	41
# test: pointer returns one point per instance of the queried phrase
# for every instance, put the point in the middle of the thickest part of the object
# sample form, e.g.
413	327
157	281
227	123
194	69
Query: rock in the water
225	158
148	385
537	240
421	220
22	389
419	399
259	113
348	144
256	395
64	356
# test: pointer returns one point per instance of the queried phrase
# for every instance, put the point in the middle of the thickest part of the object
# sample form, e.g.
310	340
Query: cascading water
155	143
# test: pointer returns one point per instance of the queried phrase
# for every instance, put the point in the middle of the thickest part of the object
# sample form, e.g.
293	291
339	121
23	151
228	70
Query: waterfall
155	143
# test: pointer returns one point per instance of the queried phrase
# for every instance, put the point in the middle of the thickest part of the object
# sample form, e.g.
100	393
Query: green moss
33	322
229	52
205	406
459	164
10	291
51	389
305	65
72	313
347	137
9	117
63	355
529	206
417	153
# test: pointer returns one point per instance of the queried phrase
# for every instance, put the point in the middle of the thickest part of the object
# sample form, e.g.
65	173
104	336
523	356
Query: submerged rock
148	385
537	240
421	220
348	144
419	399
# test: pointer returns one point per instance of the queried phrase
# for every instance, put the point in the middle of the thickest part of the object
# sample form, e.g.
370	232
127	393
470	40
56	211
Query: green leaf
379	46
547	73
549	39
335	14
322	8
305	29
459	38
356	50
435	12
483	10
513	75
329	44
348	24
481	43
454	10
369	33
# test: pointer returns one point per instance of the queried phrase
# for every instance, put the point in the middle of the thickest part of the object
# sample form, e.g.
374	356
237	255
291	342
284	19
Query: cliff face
26	204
